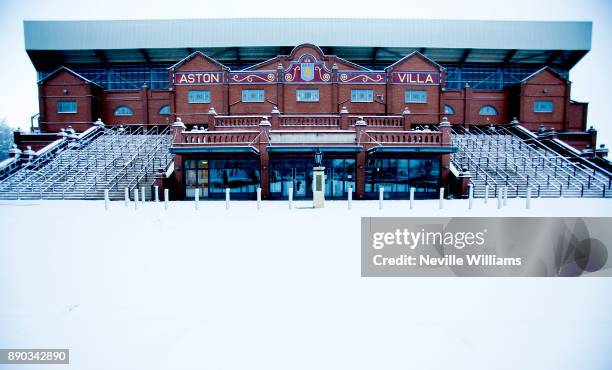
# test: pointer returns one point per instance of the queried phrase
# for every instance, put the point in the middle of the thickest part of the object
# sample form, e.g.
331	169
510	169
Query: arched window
123	111
164	109
448	109
487	110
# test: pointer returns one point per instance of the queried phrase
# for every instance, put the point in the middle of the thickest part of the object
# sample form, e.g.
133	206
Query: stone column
177	137
344	119
318	187
362	140
407	119
210	118
264	158
445	130
464	178
274	119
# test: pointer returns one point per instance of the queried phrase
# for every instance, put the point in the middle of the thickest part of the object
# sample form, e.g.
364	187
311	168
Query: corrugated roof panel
136	34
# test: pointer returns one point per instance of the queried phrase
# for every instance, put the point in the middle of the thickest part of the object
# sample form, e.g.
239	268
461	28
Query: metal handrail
564	159
83	151
506	156
560	167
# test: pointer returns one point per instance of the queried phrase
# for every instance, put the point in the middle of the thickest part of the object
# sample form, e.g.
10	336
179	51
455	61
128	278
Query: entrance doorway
296	173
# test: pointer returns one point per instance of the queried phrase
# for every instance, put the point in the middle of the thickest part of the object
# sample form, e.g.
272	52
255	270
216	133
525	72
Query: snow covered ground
277	289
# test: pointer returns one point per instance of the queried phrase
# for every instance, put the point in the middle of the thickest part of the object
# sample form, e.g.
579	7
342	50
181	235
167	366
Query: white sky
18	97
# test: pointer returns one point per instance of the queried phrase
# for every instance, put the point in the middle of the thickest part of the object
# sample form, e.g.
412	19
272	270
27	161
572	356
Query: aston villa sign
198	78
416	78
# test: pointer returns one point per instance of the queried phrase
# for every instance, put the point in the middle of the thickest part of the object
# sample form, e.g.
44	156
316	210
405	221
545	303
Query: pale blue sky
18	97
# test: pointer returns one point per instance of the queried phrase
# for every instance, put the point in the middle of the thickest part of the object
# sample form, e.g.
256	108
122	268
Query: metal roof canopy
246	41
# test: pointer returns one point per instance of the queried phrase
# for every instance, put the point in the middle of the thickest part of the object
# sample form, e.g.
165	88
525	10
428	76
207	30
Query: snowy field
277	289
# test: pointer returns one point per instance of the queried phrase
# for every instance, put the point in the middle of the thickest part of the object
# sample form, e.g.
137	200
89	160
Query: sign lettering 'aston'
197	78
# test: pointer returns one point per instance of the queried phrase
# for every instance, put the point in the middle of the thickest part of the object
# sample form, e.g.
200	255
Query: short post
126	197
350	197
441	205
499	198
528	199
156	194
258	198
106	199
486	200
227	198
135	198
166	198
381	196
470	196
411	198
197	199
505	196
290	198
142	195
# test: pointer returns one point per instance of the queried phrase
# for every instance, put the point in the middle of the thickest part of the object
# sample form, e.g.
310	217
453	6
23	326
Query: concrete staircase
497	158
112	159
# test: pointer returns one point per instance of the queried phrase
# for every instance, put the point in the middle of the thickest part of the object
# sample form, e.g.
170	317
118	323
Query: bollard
142	195
381	196
470	196
156	194
411	198
499	198
505	196
258	198
350	197
486	194
197	199
126	197
106	199
290	198
227	198
441	205
135	198
528	199
166	198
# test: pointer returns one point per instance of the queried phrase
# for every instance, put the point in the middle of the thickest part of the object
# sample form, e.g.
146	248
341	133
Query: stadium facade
249	101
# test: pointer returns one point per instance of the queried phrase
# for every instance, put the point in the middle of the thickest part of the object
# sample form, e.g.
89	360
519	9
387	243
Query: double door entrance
296	173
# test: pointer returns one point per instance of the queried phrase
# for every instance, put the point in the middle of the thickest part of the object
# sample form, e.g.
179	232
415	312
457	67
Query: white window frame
131	111
368	99
246	92
207	101
408	98
59	102
535	106
494	113
312	91
162	108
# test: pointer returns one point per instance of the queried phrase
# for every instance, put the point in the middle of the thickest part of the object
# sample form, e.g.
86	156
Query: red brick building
316	97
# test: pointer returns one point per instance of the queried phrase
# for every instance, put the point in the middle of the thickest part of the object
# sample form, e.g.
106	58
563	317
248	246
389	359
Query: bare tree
6	139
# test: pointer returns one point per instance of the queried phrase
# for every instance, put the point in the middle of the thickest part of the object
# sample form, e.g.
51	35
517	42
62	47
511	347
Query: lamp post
318	158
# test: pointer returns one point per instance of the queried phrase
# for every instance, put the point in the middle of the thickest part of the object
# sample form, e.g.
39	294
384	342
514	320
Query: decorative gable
415	69
198	69
66	75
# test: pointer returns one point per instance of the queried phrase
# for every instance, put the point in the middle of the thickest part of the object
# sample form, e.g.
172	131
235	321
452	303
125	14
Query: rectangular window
415	96
199	96
362	96
66	106
543	106
307	95
253	96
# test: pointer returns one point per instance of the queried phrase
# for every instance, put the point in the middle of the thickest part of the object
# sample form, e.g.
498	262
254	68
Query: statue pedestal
318	187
